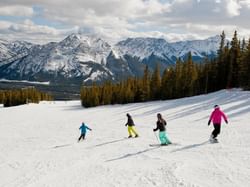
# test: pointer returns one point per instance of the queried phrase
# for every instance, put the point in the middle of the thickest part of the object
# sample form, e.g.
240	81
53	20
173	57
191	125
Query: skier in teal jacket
83	129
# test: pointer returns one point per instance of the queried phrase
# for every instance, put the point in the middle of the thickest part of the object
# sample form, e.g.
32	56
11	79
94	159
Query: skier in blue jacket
83	129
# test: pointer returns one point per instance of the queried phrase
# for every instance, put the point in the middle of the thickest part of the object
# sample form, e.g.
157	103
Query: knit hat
216	106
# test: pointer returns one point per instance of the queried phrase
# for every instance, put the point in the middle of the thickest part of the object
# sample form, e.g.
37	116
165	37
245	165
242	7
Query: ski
213	141
162	145
131	137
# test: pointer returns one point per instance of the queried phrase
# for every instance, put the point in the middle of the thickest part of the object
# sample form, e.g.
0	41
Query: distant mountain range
80	58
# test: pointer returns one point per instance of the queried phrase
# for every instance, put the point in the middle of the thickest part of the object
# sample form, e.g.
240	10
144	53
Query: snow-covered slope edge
39	145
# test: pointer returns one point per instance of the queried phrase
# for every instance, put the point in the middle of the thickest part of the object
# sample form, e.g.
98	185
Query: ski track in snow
38	144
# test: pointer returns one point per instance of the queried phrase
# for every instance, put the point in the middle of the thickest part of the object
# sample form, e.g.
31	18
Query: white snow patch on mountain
197	47
24	81
96	76
144	47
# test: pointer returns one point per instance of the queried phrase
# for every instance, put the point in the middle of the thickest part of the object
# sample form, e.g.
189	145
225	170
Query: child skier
215	117
161	123
83	129
131	125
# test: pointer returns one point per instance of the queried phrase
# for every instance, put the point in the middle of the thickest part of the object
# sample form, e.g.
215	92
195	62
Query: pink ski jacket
216	116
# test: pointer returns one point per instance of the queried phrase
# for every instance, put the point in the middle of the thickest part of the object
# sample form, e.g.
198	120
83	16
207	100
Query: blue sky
41	21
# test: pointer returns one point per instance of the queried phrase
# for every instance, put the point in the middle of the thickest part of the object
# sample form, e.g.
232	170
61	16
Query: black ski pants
216	130
82	136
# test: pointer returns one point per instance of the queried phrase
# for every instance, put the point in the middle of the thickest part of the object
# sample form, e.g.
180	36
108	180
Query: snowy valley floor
38	144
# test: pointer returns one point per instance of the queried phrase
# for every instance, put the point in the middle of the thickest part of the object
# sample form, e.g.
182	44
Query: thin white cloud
29	31
16	11
118	19
4	25
245	3
29	27
233	8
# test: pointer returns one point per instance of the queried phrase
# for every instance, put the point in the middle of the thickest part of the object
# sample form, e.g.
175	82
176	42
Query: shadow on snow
132	154
59	146
110	142
190	147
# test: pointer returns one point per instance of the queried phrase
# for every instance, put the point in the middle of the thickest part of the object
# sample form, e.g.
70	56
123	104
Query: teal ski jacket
84	128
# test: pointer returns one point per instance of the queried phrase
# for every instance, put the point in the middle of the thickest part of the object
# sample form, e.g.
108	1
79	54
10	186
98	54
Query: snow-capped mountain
10	49
88	49
145	47
198	48
75	57
90	59
152	50
149	51
4	51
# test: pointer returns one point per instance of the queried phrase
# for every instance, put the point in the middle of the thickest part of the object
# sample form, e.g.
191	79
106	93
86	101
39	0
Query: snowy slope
38	144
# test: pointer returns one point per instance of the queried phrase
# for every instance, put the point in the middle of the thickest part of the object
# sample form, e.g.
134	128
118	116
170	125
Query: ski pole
156	137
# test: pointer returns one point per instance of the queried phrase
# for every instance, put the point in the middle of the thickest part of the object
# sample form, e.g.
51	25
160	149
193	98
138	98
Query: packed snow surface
39	147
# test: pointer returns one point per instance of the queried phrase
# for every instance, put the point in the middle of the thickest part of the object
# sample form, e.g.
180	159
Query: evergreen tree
19	97
243	46
164	84
221	63
95	96
146	85
106	95
168	84
2	97
234	57
178	80
155	84
129	91
245	67
189	76
140	94
220	52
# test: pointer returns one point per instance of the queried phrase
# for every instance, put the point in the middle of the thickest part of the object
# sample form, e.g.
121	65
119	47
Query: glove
209	122
226	122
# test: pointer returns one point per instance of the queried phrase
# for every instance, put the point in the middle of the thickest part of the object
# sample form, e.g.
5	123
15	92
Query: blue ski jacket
84	128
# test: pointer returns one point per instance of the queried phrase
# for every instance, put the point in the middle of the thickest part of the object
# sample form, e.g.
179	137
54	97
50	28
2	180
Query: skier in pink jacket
215	117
